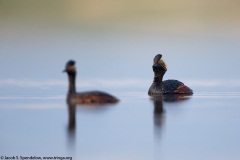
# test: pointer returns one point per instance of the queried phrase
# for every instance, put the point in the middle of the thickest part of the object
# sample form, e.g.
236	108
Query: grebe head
70	68
159	64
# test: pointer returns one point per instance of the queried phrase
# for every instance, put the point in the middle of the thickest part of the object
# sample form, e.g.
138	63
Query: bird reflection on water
160	104
71	124
158	114
72	108
159	111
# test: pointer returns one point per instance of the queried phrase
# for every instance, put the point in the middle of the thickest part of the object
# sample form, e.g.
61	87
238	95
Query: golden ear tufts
163	64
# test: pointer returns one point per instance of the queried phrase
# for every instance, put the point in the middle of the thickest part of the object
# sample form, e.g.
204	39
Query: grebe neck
158	77
71	87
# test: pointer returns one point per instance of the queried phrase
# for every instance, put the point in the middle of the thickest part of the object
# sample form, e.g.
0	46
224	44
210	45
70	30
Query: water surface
203	126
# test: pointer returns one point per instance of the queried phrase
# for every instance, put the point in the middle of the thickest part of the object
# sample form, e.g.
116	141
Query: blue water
203	126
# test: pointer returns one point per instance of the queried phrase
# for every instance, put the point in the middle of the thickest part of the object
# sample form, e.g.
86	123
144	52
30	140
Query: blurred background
114	42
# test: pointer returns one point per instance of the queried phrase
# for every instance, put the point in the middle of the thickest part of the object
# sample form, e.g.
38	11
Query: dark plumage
175	86
91	97
168	86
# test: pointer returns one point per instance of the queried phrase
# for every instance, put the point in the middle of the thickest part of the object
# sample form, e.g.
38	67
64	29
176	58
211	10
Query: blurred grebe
91	97
168	86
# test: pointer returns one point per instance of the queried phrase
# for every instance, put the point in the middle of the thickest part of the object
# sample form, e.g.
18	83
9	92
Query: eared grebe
91	97
159	87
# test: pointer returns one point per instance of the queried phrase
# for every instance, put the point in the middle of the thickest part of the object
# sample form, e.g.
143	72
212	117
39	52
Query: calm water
113	43
204	126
